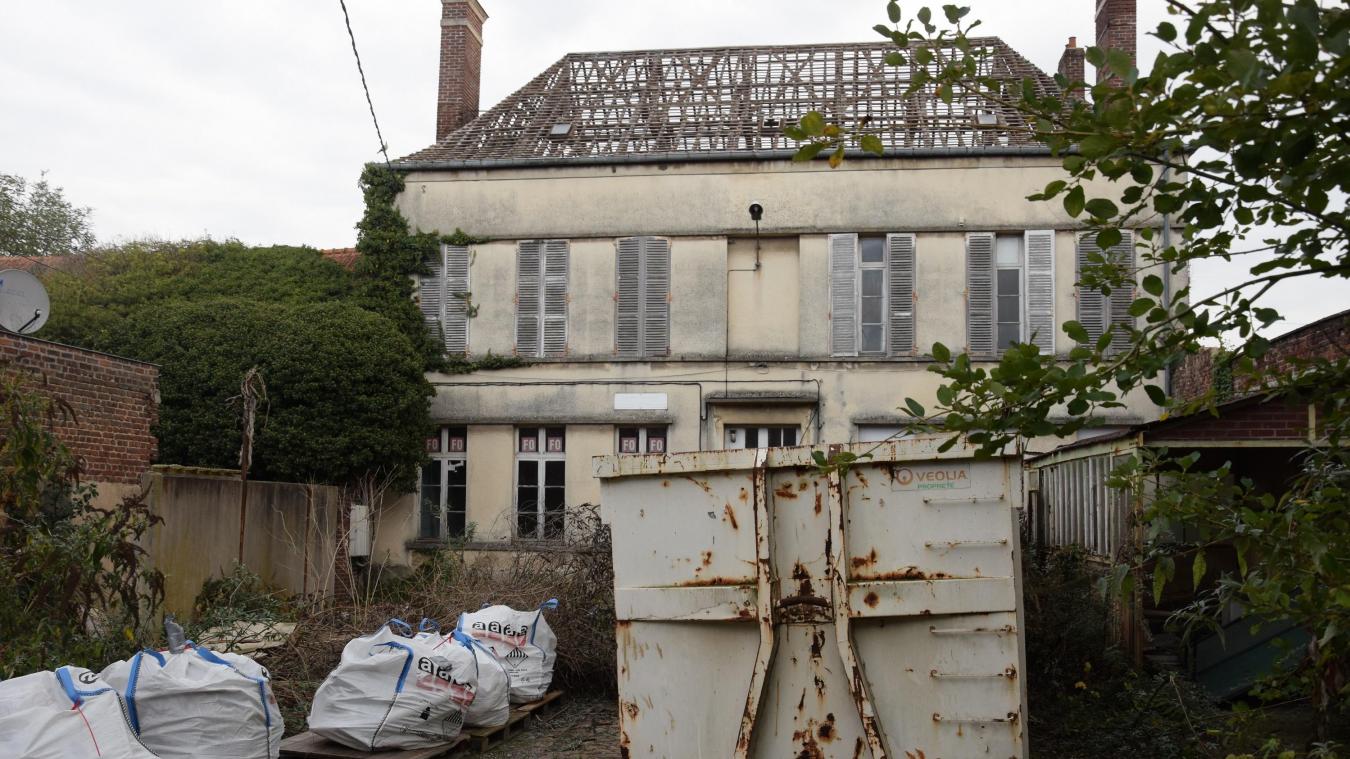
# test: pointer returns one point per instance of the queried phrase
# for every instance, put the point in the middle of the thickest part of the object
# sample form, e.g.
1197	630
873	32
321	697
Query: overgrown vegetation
345	392
1236	133
391	257
76	585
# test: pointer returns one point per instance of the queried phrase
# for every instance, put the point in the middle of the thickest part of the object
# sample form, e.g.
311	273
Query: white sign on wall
640	402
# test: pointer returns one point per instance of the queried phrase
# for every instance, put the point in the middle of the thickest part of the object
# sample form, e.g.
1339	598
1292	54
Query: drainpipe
1167	272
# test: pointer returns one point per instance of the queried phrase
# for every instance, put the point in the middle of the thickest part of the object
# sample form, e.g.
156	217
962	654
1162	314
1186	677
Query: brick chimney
1117	23
461	64
1071	66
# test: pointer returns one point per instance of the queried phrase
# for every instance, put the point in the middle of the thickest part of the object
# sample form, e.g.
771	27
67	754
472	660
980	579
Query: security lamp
756	212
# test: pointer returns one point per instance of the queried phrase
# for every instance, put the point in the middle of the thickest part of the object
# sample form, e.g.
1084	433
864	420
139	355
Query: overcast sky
246	119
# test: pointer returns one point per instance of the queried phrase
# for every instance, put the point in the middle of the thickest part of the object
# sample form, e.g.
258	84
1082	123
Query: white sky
246	119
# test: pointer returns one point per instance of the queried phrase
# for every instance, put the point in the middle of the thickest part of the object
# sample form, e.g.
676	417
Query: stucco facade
749	345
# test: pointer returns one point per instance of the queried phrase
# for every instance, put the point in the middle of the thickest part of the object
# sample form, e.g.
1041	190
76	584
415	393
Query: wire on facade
346	18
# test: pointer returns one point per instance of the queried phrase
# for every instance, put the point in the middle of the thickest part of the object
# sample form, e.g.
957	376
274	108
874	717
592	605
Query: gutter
713	156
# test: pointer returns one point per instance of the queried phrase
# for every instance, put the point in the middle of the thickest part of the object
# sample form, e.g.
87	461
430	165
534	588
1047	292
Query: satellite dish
24	306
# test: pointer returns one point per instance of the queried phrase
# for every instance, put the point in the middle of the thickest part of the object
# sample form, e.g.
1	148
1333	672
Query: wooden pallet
484	738
310	746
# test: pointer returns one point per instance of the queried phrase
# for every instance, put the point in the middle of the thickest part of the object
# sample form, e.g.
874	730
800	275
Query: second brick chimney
1072	67
461	64
1117	22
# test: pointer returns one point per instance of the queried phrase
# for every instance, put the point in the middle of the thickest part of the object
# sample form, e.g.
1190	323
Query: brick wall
1327	338
1268	420
1117	29
461	64
115	400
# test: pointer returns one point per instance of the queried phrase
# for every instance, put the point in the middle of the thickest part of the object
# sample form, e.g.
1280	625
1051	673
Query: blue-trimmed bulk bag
66	714
199	704
524	643
394	690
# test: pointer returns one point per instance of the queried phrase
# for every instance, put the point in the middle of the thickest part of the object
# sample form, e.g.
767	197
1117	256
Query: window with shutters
541	298
541	482
642	297
872	297
443	295
761	437
1010	291
1099	311
444	486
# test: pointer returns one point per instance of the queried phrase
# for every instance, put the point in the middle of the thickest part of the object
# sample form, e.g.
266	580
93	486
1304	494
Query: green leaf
1153	285
1073	202
837	157
1102	208
925	15
813	123
1096	145
872	144
955	13
914	407
818	457
808	151
1156	395
883	30
1198	569
1141	306
1166	32
1075	331
941	353
1107	237
893	11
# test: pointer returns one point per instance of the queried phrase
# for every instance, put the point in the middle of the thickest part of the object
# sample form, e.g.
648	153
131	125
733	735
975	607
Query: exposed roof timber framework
732	103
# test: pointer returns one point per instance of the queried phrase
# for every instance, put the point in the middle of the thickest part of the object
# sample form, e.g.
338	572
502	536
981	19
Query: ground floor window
642	440
541	482
445	484
761	437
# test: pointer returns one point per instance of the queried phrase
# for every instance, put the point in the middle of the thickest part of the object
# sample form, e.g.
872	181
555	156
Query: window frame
882	266
762	430
442	457
1021	268
540	457
644	438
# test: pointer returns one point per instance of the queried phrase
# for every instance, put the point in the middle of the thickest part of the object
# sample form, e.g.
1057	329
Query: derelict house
677	283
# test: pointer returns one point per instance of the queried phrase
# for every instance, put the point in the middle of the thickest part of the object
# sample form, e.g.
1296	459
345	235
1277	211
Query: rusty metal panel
768	610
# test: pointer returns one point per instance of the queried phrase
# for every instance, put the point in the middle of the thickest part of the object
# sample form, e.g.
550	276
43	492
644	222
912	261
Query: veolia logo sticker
933	477
88	678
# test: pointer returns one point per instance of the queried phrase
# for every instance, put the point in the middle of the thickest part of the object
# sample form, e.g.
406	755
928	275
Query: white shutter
843	294
555	297
980	293
900	296
1118	307
628	297
1040	252
529	276
655	296
457	293
431	295
1090	301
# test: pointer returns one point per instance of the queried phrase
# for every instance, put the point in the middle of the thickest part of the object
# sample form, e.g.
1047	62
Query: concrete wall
289	536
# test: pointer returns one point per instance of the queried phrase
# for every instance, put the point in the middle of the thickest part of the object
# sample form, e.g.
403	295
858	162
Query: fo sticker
956	477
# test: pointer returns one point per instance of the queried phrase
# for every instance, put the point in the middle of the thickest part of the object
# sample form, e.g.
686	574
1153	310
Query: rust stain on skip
863	561
704	486
731	516
818	504
871	599
785	491
707	558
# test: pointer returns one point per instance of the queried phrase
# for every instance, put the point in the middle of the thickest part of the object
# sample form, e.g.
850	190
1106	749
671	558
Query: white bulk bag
199	704
392	690
522	640
66	714
492	704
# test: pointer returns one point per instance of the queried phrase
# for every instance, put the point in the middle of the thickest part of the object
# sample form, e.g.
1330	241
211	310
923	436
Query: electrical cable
364	87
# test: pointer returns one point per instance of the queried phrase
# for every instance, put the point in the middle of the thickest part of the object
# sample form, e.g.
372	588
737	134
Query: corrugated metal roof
731	103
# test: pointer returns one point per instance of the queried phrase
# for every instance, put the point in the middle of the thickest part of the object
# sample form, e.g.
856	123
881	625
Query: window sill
549	545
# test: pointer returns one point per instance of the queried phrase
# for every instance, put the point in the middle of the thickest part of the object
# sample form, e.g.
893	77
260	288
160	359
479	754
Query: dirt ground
584	727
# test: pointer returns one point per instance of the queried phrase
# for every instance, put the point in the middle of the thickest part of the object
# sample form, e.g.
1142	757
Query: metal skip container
768	610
